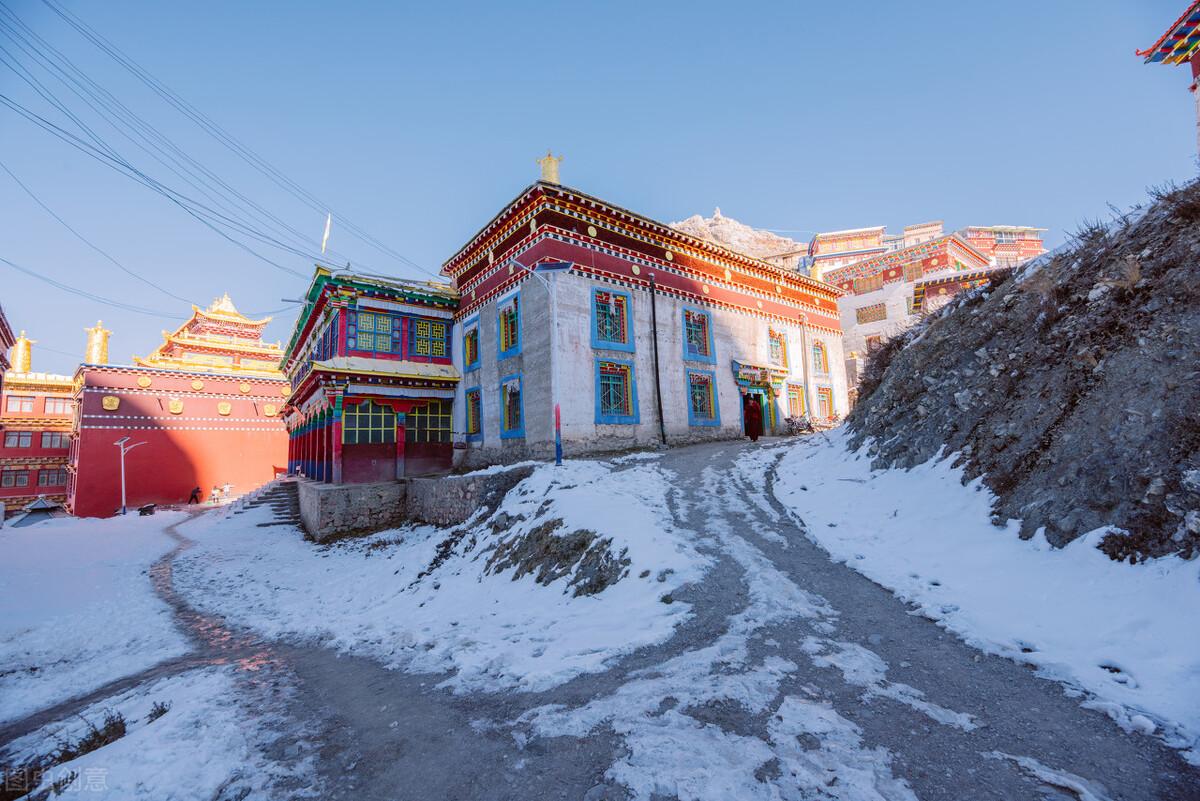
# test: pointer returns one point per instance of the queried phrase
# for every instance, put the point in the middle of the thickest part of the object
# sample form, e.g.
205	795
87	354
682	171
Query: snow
206	743
492	631
1081	788
1124	634
79	608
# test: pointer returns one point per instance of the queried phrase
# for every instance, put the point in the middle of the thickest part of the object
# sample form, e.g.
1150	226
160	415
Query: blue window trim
353	317
692	419
466	327
619	419
711	358
605	344
519	432
515	349
467	404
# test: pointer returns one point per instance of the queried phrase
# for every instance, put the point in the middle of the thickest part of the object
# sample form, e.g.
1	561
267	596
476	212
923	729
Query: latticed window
427	338
18	439
429	422
53	439
58	405
20	403
820	358
869	283
372	332
913	271
612	318
368	423
471	346
510	326
616	389
825	402
511	417
695	334
52	478
14	478
474	411
778	348
795	400
701	396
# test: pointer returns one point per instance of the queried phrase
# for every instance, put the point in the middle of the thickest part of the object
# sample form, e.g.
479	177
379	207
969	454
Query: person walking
195	496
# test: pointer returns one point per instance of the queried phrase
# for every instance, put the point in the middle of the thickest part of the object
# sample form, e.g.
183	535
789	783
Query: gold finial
549	164
223	304
97	344
22	354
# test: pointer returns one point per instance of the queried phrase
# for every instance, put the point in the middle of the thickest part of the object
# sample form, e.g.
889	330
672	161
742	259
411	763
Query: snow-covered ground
79	609
1124	635
492	630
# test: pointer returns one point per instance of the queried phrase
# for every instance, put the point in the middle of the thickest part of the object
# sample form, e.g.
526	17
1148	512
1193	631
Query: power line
116	304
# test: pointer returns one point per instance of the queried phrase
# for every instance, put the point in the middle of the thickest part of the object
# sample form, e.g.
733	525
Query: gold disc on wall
110	403
224	408
244	388
175	406
143	381
197	385
269	409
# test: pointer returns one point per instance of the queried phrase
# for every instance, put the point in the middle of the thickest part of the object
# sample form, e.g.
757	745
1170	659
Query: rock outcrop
1072	385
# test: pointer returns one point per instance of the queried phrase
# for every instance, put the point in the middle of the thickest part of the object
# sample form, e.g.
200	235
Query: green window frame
368	423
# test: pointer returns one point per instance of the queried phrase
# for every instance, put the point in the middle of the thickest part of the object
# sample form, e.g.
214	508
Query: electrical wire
116	304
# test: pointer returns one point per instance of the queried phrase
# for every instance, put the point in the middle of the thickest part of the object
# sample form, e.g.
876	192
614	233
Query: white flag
325	238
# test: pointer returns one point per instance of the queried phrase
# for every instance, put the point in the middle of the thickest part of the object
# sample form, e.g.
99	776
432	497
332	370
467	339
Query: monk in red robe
754	427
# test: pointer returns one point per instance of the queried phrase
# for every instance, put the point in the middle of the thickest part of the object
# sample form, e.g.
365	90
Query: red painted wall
198	447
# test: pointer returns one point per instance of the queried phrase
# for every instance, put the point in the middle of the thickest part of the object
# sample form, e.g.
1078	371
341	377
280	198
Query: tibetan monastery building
204	405
1180	44
629	331
372	379
35	423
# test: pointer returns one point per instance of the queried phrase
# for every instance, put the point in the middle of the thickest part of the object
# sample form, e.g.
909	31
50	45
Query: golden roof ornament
549	164
97	344
224	305
22	354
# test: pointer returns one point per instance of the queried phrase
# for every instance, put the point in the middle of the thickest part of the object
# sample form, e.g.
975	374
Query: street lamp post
553	268
124	449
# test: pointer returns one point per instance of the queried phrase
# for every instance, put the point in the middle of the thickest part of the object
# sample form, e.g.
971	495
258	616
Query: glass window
429	422
474	411
510	326
427	338
616	389
512	418
471	346
612	318
795	400
697	337
368	423
52	478
778	348
825	402
18	439
19	403
14	478
371	331
702	400
820	358
58	405
53	439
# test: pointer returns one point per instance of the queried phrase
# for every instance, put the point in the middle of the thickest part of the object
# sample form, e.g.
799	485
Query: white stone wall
894	296
736	336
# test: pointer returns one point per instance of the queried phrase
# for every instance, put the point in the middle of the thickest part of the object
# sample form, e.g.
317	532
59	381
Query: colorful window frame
427	339
512	407
372	332
473	414
616	392
508	327
820	357
368	423
697	336
612	320
825	402
778	346
796	401
327	344
470	343
703	407
429	422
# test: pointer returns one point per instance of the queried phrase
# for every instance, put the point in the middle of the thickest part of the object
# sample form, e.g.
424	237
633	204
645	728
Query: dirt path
796	678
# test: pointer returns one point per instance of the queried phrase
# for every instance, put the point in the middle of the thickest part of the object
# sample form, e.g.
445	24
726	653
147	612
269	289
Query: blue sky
417	122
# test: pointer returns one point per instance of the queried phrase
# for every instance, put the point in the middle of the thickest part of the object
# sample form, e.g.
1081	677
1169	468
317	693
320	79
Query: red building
1005	245
373	384
1180	44
35	422
205	404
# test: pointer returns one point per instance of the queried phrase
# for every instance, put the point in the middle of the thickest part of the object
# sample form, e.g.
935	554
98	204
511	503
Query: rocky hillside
1072	386
738	236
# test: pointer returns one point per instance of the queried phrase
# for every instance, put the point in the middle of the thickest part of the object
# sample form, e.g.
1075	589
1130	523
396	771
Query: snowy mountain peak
735	235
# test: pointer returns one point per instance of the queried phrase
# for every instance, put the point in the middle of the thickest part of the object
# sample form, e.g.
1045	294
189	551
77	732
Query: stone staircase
283	499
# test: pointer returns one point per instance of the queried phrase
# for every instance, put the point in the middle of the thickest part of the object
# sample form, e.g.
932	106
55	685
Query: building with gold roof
204	404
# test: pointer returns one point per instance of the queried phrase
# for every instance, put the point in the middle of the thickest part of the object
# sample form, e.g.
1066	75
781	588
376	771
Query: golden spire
22	354
549	164
97	344
224	305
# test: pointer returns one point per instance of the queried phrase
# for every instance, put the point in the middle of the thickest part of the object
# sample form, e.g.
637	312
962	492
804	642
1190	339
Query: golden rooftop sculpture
549	164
